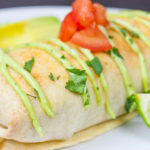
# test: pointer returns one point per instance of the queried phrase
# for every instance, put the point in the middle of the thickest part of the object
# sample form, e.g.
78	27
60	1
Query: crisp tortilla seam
77	138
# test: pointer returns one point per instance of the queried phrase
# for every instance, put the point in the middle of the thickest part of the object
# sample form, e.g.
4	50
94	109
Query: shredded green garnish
51	77
116	52
129	106
77	82
63	57
88	63
110	37
123	31
28	64
96	65
134	34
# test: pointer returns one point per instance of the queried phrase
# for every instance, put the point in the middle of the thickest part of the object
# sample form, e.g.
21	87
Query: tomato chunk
91	38
83	13
100	15
68	28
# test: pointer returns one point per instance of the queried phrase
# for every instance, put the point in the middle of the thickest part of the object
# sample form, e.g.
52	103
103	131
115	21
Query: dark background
136	4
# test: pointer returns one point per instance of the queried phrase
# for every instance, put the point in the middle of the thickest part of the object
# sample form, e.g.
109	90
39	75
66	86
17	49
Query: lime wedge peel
143	107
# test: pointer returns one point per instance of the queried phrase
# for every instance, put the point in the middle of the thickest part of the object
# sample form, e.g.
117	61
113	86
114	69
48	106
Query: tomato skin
83	13
100	15
91	38
68	28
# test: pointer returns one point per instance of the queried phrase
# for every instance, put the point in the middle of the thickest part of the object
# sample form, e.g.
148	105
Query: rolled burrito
70	116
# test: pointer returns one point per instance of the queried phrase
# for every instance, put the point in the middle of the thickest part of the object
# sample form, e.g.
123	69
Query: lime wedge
143	107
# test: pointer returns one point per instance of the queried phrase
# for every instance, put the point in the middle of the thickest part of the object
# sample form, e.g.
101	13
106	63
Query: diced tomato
83	13
100	15
68	28
91	38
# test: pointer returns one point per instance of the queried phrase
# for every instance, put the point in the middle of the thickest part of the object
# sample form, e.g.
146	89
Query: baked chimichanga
56	87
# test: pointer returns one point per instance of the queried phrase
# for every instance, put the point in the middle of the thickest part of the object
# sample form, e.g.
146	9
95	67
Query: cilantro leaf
63	57
88	63
123	31
116	52
76	71
129	103
77	84
131	41
134	34
96	65
28	64
78	78
77	81
110	37
51	77
86	97
75	87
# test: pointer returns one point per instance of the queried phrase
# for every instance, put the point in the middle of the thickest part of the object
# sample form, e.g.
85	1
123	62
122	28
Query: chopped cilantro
75	87
129	103
110	37
63	57
37	93
58	77
134	34
116	52
131	41
77	82
88	63
86	99
28	64
123	31
96	65
77	71
51	77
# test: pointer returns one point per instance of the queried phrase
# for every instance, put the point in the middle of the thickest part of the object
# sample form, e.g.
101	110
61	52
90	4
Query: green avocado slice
28	31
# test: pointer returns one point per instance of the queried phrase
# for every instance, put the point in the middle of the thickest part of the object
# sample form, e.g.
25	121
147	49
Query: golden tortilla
79	137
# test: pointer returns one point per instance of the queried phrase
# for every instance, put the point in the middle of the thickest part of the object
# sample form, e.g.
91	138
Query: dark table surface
135	4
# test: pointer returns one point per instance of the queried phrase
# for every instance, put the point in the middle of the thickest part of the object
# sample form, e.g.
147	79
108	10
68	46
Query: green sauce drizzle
103	82
118	59
6	60
136	13
132	28
132	16
136	49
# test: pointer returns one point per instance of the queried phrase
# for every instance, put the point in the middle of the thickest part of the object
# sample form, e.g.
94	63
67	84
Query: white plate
134	135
